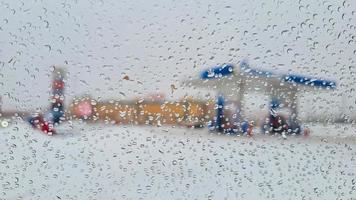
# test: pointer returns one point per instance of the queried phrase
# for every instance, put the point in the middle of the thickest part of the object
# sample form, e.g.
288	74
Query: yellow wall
154	113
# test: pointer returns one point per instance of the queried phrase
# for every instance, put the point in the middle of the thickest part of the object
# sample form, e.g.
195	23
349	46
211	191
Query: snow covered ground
113	162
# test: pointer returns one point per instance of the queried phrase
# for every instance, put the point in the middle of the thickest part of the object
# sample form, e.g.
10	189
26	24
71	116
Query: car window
177	99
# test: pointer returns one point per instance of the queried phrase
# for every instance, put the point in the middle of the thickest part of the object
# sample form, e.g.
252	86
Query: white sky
160	43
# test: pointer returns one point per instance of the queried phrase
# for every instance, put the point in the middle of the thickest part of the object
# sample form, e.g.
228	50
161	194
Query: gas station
233	83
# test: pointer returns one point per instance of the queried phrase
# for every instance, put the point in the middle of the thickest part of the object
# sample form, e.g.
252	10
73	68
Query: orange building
143	112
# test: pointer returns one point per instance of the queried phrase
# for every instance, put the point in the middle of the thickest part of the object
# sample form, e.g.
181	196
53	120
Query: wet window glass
177	99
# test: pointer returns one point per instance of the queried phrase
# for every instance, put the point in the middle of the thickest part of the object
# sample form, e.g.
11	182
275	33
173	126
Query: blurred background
186	71
158	44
